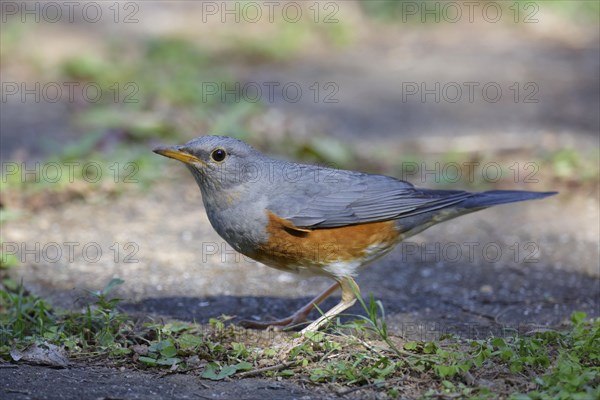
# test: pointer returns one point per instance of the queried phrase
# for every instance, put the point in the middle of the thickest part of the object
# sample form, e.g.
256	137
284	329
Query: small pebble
487	289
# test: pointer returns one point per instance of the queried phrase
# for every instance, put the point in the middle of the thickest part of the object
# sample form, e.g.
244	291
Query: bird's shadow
202	309
458	299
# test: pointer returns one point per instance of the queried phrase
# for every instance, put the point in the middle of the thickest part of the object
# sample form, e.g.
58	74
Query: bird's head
218	163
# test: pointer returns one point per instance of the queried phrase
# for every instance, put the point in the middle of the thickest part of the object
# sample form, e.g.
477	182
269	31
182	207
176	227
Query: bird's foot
296	318
278	325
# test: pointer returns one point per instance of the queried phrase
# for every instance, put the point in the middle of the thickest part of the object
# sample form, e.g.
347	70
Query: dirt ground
84	382
520	267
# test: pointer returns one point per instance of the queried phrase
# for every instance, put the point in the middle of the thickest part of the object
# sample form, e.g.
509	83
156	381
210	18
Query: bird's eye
218	155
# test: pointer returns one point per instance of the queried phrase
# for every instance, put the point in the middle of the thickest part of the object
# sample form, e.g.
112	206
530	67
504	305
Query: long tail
455	203
495	197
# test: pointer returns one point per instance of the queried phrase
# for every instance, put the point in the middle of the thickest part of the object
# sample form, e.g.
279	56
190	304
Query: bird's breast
334	252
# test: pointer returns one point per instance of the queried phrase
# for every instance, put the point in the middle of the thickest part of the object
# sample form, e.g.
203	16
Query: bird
315	220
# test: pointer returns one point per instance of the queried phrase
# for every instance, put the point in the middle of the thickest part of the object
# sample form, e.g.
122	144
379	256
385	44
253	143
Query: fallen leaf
42	354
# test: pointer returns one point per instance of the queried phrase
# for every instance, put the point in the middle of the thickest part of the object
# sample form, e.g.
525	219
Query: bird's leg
297	317
349	290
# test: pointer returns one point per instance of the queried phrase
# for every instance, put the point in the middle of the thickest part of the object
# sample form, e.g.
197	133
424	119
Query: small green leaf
175	327
188	342
243	366
498	342
578	317
168	361
166	348
168	352
120	351
410	346
270	352
111	285
211	371
506	354
448	384
445	370
216	324
429	348
106	338
148	361
316	337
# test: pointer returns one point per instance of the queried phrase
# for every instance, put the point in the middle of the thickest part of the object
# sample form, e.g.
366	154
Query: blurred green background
327	82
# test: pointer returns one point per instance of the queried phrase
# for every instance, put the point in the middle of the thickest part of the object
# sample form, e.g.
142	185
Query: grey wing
356	198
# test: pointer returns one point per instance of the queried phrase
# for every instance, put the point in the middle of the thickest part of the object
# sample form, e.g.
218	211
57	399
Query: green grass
515	11
358	354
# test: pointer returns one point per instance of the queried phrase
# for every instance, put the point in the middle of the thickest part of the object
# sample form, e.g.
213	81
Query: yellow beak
175	153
